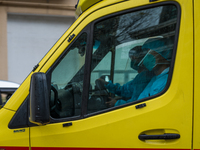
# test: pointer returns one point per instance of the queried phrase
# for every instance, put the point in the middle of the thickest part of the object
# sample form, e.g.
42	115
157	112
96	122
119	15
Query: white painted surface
29	39
8	84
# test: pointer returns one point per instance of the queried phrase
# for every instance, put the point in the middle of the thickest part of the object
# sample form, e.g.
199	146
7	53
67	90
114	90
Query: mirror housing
39	99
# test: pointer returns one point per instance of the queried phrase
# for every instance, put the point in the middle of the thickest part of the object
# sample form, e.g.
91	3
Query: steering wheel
100	84
55	93
101	91
55	100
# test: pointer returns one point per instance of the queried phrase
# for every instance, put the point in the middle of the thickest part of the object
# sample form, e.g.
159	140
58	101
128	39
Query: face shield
135	55
159	52
152	59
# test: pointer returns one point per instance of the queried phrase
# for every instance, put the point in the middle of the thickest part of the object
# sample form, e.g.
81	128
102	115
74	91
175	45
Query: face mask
134	64
149	61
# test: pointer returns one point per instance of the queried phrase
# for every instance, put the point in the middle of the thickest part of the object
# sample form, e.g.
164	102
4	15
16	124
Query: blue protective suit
155	86
131	89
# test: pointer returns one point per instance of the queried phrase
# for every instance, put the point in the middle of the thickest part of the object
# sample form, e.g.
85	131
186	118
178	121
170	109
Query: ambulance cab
125	75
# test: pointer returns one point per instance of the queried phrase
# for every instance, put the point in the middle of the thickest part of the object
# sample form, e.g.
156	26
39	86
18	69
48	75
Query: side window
67	81
132	57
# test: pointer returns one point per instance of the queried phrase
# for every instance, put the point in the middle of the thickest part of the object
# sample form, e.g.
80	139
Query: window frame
51	69
177	29
89	29
87	73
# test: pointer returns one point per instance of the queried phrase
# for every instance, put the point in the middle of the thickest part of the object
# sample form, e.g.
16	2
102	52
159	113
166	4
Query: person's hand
103	81
112	101
100	84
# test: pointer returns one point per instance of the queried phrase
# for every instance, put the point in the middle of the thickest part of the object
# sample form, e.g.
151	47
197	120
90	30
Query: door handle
167	136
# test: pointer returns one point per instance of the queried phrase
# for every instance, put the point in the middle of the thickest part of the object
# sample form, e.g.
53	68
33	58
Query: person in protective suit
131	90
158	60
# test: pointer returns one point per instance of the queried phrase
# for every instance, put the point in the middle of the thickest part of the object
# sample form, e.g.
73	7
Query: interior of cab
113	38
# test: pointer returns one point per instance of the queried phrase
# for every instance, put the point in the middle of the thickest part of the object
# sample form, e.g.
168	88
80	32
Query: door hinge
35	67
71	37
67	124
140	106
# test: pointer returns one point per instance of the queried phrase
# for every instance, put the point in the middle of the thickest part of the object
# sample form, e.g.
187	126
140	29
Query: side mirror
39	99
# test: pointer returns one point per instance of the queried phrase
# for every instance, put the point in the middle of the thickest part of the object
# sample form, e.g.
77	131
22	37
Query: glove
111	87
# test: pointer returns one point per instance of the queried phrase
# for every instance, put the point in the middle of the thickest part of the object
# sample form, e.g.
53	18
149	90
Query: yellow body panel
196	130
12	137
172	111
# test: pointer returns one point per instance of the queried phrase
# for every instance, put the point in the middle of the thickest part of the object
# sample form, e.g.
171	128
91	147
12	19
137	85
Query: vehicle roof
83	5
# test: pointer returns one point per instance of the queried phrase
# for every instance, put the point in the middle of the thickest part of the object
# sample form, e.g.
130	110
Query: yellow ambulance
124	76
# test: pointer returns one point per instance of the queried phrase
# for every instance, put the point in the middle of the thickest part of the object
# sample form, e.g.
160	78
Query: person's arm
124	91
113	88
112	101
